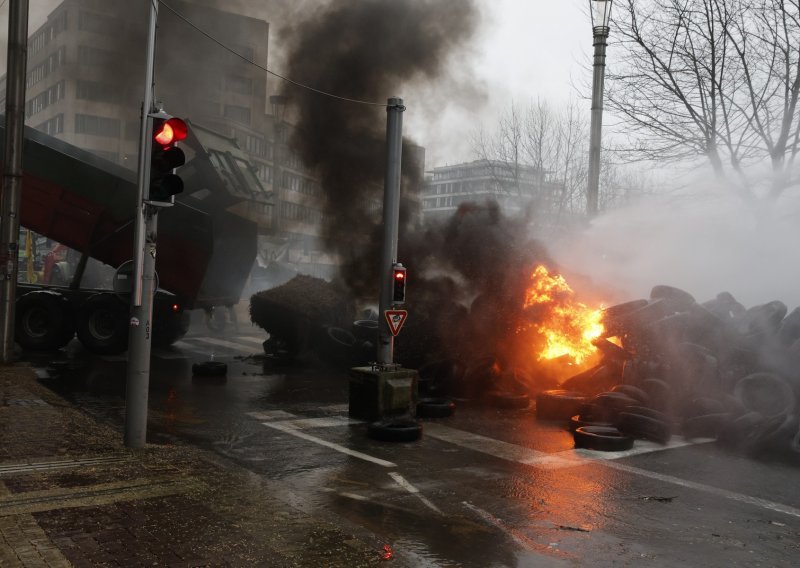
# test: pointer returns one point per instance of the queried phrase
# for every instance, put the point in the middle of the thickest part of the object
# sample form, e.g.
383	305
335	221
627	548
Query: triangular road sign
396	319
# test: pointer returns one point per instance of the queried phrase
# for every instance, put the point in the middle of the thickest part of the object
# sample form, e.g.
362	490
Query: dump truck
204	256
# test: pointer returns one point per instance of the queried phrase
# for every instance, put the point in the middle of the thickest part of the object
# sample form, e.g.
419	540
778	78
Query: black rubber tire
578	421
341	337
766	393
559	404
44	321
508	400
634	392
395	430
210	369
640	426
649	412
366	329
661	397
706	426
103	324
435	408
601	438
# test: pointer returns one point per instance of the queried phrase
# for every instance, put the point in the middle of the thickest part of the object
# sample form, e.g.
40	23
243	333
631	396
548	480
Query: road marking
283	427
221	343
253	340
322	422
732	495
514	534
15	468
403	482
497	448
272	415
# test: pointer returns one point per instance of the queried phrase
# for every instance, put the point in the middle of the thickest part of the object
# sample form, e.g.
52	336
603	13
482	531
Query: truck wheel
103	325
44	321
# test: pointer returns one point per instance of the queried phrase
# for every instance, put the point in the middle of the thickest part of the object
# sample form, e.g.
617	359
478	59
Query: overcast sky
524	49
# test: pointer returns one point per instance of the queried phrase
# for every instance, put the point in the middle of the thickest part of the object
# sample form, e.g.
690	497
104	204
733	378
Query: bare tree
543	150
714	79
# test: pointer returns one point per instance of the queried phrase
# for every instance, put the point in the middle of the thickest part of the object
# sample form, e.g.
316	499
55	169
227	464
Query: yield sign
396	319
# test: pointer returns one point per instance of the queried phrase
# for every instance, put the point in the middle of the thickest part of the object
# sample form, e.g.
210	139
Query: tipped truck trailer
89	204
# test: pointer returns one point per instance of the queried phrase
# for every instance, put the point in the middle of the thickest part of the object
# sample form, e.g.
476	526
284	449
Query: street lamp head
601	14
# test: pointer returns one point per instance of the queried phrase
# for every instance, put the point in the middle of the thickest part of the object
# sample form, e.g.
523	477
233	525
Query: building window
49	65
97	125
237	113
264	173
96	23
45	99
53	126
98	92
238	84
94	56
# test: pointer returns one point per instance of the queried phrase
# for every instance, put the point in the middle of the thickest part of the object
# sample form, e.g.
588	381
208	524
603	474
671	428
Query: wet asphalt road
482	488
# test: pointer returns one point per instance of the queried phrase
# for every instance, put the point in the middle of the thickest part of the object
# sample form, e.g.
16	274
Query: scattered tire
366	329
435	408
706	426
640	426
649	412
395	430
677	300
579	421
103	324
210	369
634	392
558	404
766	393
508	400
615	402
44	321
660	393
601	438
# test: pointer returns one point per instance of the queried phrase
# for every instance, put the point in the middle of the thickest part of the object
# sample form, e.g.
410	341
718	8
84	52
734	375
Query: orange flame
567	325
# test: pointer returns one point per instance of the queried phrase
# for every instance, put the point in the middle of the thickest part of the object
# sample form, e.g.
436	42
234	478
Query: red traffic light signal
165	156
398	284
170	131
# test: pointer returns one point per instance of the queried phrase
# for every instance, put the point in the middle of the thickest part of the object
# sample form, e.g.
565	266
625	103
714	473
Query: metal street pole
137	386
600	42
391	222
16	63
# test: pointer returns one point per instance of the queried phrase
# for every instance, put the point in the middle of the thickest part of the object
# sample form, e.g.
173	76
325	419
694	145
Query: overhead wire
273	73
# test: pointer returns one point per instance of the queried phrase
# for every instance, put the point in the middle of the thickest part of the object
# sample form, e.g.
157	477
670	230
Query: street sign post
395	319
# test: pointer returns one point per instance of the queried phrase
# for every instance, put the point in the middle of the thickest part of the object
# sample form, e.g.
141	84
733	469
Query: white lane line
184	346
283	427
582	457
514	534
640	447
732	495
403	482
323	422
304	423
498	448
272	415
253	340
222	343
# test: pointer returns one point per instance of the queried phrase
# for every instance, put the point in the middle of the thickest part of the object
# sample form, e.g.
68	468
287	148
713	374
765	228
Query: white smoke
702	245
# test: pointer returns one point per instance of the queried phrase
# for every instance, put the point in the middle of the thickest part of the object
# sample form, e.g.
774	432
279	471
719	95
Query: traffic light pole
391	222
137	385
12	172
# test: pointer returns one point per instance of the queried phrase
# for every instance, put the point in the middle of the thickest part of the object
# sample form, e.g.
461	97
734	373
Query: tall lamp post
601	13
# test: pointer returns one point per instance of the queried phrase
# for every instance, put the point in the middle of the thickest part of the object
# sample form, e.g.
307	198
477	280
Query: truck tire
45	321
103	324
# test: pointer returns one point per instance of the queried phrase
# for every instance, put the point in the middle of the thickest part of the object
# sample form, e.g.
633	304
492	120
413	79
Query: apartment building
85	82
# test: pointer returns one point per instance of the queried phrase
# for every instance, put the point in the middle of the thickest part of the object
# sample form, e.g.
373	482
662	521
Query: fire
567	326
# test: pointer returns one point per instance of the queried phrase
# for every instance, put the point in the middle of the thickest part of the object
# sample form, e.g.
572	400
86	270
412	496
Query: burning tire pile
675	366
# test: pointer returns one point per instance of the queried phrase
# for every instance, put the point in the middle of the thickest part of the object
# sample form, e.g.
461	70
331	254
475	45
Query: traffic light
398	284
165	156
